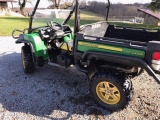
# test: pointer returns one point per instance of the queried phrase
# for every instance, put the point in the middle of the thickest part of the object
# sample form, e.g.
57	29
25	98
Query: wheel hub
108	93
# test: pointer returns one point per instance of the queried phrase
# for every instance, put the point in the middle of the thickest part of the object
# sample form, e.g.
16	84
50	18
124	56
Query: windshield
52	11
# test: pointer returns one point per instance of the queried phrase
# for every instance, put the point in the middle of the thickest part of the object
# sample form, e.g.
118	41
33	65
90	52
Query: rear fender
132	61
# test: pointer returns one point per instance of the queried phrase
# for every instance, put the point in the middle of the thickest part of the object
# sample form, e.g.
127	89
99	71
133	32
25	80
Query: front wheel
110	91
27	60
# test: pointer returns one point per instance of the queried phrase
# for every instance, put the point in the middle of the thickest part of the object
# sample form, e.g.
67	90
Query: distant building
4	9
3	3
150	17
8	0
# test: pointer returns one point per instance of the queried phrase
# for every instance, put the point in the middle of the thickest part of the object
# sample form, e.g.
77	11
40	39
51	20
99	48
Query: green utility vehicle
109	55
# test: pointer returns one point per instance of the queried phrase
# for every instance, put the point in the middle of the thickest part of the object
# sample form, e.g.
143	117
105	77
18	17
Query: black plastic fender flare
132	61
21	39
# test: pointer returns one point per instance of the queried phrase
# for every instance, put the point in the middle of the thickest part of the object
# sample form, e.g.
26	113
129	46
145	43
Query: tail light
156	61
156	56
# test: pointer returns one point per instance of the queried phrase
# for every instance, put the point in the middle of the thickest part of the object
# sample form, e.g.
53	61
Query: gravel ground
58	94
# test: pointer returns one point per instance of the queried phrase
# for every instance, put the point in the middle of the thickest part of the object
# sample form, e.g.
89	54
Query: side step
56	65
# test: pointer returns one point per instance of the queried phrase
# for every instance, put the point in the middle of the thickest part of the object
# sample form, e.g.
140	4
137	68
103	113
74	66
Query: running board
56	65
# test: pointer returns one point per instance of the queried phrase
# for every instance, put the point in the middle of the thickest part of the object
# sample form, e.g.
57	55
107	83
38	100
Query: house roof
8	0
155	14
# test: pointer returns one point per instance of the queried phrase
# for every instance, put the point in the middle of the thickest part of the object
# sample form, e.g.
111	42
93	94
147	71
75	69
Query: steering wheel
54	25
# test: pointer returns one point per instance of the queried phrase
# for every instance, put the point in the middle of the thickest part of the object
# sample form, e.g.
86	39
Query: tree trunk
22	6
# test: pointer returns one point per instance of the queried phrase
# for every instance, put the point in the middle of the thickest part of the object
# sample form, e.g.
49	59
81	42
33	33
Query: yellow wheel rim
108	93
23	61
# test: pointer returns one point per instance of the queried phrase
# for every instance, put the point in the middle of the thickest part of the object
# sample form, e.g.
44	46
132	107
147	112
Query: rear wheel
27	60
111	91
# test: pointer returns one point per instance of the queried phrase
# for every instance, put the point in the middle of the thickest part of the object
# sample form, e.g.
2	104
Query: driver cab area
53	28
58	40
55	32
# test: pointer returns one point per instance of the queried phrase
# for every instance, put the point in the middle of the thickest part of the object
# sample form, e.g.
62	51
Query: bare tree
56	3
22	4
60	4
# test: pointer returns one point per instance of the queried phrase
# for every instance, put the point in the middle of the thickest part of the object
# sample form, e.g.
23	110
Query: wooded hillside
127	11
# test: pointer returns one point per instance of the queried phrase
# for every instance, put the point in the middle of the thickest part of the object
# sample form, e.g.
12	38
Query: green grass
8	24
71	22
87	15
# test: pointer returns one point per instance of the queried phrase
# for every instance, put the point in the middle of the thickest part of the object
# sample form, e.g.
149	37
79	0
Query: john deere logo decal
87	46
100	46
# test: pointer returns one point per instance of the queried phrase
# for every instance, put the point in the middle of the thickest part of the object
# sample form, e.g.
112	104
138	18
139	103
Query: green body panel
40	49
96	47
68	37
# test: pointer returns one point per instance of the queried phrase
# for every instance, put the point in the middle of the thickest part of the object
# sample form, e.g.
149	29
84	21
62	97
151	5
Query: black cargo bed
135	34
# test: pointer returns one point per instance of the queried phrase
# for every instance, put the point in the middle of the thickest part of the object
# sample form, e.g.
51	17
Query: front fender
37	44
